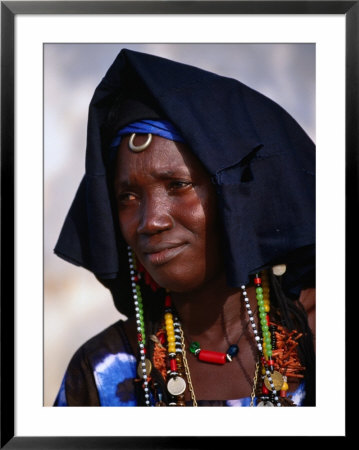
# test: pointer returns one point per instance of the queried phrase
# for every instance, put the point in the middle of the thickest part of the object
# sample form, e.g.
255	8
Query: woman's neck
211	311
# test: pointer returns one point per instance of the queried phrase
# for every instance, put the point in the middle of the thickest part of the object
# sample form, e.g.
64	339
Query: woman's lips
163	256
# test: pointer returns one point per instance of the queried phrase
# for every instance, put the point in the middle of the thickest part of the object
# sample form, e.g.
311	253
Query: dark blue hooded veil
260	160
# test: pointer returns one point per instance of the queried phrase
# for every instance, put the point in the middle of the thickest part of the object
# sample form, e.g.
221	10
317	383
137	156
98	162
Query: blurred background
76	306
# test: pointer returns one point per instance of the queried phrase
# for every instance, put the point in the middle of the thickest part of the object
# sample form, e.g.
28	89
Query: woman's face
167	213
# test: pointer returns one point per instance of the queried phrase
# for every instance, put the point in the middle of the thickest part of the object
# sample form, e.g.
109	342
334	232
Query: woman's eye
176	185
126	197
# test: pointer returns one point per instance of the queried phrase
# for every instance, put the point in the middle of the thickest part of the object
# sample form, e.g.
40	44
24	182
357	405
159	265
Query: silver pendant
277	379
265	404
148	366
176	385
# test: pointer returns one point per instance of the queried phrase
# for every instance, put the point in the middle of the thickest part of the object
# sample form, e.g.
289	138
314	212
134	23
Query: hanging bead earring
145	366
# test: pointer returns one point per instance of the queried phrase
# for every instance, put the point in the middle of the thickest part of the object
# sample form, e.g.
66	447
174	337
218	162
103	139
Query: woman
197	212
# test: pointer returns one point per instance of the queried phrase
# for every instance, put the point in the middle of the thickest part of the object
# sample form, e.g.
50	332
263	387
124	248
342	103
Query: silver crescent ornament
139	148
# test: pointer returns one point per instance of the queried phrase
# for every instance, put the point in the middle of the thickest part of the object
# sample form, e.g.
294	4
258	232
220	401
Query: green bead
267	340
269	352
194	346
263	315
259	290
260	302
265	327
261	309
259	296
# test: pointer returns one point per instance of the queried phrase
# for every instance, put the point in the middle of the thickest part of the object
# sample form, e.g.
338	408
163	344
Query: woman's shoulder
109	344
101	371
111	340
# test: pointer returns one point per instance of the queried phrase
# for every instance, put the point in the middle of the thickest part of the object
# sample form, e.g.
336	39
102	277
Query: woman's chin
177	283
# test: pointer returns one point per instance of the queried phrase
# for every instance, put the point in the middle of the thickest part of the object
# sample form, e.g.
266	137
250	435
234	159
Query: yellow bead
171	339
284	386
168	316
171	348
170	333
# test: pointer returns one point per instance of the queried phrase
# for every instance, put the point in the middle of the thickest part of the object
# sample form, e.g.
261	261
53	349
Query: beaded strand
176	384
264	320
141	334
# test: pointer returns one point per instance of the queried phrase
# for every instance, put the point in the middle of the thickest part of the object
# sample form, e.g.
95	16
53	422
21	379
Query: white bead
279	270
279	404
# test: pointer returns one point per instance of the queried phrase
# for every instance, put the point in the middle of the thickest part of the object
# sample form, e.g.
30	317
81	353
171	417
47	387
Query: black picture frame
9	10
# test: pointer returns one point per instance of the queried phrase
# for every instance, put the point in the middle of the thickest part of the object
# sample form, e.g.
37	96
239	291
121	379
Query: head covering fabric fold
260	160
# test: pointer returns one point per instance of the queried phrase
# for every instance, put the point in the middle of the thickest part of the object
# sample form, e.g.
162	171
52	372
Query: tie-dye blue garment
103	372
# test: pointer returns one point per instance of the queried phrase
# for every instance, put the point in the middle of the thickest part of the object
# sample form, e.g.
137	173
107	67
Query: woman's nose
155	216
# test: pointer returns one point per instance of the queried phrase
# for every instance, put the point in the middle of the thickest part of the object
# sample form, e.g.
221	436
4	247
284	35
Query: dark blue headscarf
260	159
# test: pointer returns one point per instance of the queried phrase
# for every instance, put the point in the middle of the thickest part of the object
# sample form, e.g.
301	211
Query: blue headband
161	128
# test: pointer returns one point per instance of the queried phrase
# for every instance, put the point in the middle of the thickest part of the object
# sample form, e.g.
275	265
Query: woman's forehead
162	155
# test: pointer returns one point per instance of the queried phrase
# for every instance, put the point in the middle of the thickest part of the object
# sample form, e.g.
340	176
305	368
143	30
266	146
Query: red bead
144	351
173	365
265	390
139	337
153	285
283	393
162	338
135	278
168	301
267	318
147	278
257	281
212	357
270	362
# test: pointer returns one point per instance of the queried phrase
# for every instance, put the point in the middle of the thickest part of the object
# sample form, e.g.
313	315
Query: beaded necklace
273	383
217	357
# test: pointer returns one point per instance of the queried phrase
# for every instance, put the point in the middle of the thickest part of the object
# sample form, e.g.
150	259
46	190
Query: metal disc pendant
277	381
148	366
265	404
176	385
